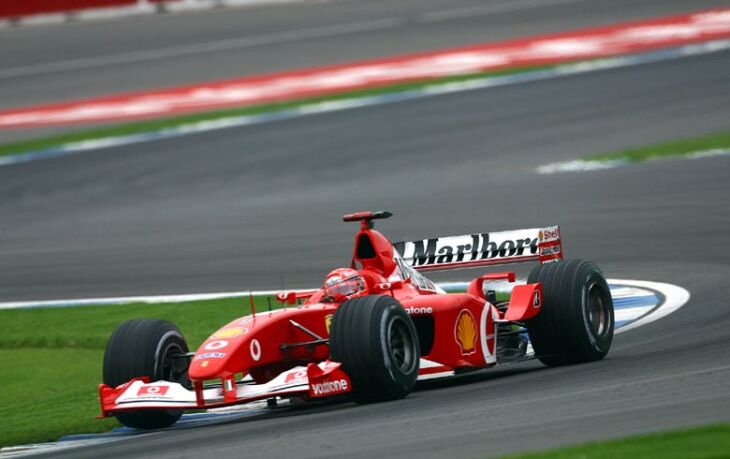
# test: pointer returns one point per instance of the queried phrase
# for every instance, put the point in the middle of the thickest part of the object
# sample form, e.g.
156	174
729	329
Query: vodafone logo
153	390
215	345
255	349
330	387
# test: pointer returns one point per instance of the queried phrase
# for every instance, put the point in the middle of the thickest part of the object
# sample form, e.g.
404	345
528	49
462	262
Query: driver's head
343	284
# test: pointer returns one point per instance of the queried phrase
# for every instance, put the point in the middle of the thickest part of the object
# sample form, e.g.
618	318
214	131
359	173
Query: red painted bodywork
270	330
461	329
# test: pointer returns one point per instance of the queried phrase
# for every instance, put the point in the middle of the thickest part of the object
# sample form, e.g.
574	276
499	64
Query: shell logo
465	332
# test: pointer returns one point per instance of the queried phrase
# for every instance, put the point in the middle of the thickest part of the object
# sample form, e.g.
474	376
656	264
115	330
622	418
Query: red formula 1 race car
371	331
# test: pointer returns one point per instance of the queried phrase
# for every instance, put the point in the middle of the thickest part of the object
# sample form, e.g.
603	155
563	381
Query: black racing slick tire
576	322
376	342
146	347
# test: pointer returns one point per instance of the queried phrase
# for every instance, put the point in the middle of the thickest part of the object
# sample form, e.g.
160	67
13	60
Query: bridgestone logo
330	387
550	250
417	311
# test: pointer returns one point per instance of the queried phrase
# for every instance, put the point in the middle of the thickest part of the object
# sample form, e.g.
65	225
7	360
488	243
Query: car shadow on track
340	403
481	375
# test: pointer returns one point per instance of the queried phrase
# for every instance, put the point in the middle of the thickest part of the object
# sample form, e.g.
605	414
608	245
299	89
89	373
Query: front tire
376	342
576	322
146	347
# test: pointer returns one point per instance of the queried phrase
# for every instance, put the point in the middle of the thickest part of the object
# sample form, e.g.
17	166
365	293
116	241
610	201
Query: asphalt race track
91	59
244	207
240	208
51	64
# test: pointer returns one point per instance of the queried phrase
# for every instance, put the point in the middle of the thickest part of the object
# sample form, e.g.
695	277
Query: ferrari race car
371	331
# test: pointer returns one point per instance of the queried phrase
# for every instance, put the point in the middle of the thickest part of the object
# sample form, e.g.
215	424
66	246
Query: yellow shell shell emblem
328	322
465	332
230	332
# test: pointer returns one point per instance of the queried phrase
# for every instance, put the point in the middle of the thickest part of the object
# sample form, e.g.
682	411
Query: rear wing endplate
483	249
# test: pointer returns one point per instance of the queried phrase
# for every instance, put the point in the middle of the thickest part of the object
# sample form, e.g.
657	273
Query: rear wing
482	249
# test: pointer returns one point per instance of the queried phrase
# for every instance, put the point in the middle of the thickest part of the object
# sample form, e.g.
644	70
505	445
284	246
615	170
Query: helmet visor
345	287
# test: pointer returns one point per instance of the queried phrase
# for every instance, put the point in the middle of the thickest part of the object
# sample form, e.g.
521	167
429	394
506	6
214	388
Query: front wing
321	380
315	381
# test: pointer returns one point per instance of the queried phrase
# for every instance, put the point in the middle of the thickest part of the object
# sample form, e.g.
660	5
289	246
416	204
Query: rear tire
144	347
376	342
576	322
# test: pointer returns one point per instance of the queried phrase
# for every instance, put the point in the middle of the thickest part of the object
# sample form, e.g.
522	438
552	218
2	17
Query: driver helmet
344	284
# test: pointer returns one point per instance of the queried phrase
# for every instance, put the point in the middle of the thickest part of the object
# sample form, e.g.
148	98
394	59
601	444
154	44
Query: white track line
590	165
152	299
674	298
628	314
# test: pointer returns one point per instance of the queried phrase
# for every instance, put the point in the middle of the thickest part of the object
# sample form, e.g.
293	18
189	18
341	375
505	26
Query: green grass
89	327
48	393
165	123
51	360
708	442
680	147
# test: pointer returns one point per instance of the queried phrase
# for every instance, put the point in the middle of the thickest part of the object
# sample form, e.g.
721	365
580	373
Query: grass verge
699	443
140	127
52	357
682	147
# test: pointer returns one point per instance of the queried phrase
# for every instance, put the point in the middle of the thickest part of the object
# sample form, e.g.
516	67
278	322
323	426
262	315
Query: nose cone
221	352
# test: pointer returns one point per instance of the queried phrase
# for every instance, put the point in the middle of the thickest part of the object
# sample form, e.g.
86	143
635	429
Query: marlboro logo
469	248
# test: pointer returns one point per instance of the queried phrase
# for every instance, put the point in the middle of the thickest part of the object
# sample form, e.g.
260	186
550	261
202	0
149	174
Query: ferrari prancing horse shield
328	322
